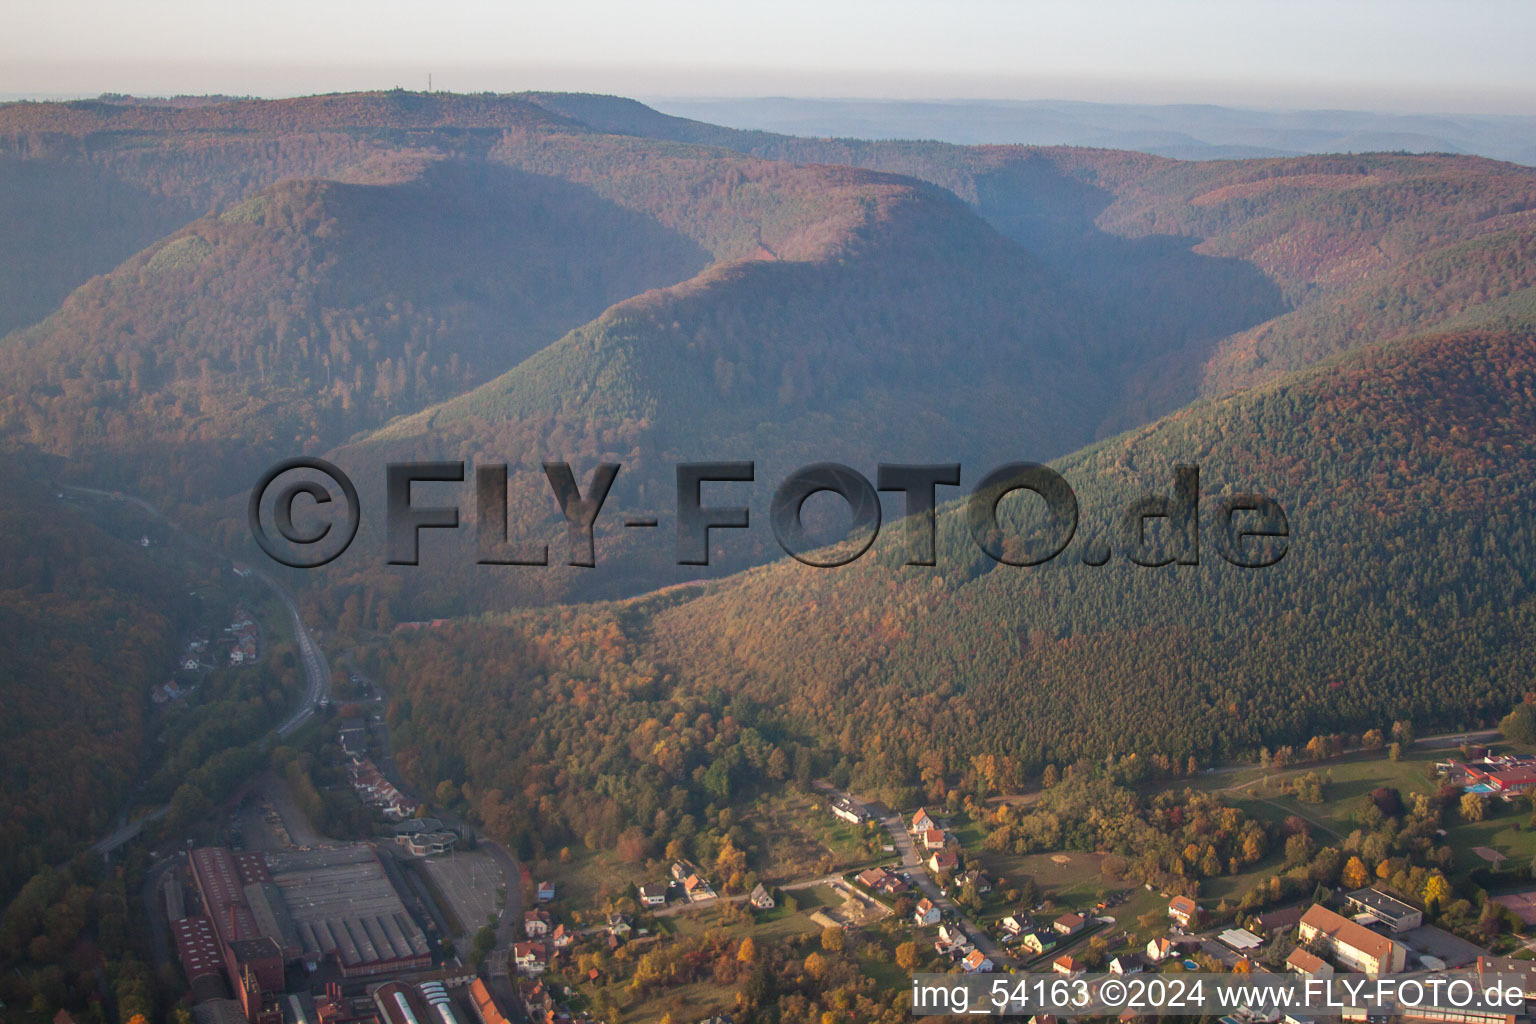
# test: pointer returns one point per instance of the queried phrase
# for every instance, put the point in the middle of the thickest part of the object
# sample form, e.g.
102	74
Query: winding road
317	673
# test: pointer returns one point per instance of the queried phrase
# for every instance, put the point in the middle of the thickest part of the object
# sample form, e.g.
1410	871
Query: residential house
1070	924
1282	920
546	891
530	957
846	810
561	938
976	879
976	962
1161	948
1013	924
761	898
933	839
925	913
536	923
951	934
1184	911
1039	942
653	894
1067	964
1353	945
1127	963
943	861
921	822
697	889
881	881
1308	965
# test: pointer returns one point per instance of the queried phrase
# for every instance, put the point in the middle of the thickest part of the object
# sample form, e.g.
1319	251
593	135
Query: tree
1355	874
747	951
1473	808
1436	891
1519	726
832	939
906	956
816	966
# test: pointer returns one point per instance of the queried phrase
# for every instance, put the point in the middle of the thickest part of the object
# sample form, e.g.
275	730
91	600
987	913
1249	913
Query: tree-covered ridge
1405	595
316	309
921	335
1321	229
86	626
1467	279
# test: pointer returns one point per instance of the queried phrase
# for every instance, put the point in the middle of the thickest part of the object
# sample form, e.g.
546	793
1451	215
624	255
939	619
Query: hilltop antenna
429	81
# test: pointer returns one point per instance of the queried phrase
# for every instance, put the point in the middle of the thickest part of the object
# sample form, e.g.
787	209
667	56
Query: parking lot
468	880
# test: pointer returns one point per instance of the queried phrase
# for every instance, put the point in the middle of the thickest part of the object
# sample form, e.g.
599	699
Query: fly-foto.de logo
1250	531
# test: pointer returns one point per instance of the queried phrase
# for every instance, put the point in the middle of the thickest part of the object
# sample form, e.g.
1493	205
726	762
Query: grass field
801	839
585	881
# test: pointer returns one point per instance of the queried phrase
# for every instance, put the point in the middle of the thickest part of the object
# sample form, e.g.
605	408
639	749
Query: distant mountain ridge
1183	131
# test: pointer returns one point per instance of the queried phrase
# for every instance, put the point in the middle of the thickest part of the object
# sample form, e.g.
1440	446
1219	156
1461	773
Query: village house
530	957
846	810
560	938
1067	964
925	913
943	860
1127	963
1013	924
1039	942
1308	965
976	879
1354	946
1184	911
933	839
546	892
1161	948
921	822
881	881
975	962
653	894
535	923
697	889
761	898
618	925
1069	924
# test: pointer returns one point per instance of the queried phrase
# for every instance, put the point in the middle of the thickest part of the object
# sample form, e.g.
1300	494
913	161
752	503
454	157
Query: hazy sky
1466	55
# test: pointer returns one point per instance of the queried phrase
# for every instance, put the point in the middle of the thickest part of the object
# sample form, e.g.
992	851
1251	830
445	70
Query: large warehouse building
336	904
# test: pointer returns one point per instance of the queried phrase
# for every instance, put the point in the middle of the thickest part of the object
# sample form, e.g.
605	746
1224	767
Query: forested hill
1327	235
1406	593
314	310
917	333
